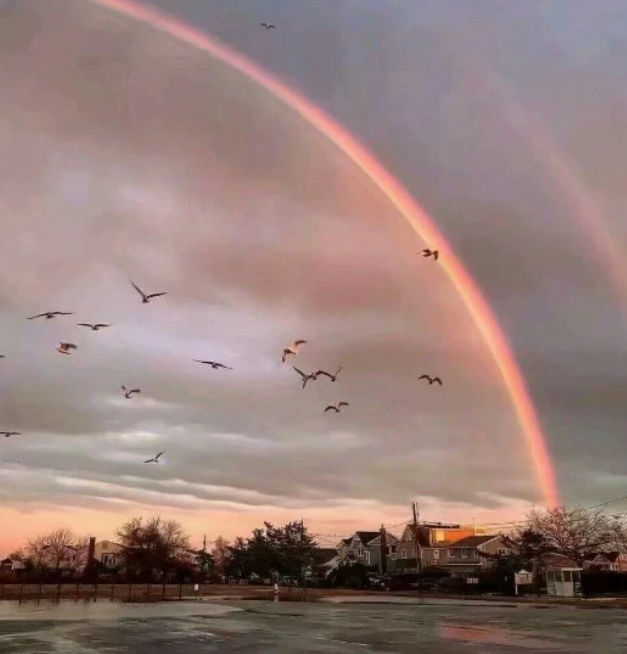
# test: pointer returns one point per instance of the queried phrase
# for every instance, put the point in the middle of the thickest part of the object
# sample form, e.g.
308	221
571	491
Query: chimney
384	551
91	551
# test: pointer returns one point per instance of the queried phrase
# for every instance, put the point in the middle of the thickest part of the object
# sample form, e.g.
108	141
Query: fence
137	592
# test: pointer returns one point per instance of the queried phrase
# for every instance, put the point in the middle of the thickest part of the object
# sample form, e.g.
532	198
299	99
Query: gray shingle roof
472	541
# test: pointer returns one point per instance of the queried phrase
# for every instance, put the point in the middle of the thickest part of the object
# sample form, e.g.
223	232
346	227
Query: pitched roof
473	541
609	556
390	539
324	554
366	536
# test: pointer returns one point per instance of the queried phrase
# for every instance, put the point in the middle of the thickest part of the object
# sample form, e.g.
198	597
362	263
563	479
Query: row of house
457	548
460	549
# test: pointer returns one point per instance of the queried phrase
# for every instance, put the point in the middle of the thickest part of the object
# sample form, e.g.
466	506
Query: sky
128	155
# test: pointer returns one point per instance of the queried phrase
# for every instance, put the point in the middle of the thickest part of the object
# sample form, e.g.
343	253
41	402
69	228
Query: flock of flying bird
292	350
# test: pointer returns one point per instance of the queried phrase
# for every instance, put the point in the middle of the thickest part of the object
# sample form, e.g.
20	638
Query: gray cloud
134	156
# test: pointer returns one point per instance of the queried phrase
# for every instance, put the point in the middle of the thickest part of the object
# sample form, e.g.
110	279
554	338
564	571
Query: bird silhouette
429	253
336	407
431	380
268	26
304	376
327	374
291	349
48	315
155	459
3	356
94	328
65	348
8	434
128	393
214	364
146	298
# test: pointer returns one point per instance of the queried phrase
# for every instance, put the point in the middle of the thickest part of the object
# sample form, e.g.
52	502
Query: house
467	557
364	547
614	561
11	565
430	542
108	553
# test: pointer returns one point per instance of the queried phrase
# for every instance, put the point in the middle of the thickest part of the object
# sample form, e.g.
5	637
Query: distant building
467	557
430	542
614	561
108	553
364	547
11	565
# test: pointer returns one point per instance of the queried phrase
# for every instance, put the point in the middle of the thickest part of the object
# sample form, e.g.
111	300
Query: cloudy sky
126	154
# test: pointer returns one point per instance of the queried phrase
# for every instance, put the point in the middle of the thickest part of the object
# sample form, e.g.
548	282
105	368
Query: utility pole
415	514
204	554
384	550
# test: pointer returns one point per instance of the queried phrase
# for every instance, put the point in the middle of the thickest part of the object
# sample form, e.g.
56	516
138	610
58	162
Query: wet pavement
277	628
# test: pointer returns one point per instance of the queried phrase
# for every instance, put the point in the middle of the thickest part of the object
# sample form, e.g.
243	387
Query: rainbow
480	311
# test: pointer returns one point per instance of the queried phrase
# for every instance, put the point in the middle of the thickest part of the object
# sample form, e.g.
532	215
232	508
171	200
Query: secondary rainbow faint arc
472	297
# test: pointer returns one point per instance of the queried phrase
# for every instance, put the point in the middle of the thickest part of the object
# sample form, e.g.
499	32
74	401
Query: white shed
563	582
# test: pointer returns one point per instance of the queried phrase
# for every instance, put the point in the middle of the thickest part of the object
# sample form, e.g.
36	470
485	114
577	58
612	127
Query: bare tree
221	554
577	533
60	550
154	548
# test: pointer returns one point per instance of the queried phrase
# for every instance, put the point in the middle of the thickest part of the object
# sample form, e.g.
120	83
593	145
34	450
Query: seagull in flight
8	434
429	253
155	459
146	298
305	377
336	407
48	315
214	364
65	348
329	375
268	26
128	394
291	349
94	328
431	380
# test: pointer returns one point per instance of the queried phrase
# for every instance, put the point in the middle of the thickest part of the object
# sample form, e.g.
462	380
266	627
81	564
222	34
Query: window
502	552
465	553
403	553
367	558
436	555
409	536
392	549
452	554
568	576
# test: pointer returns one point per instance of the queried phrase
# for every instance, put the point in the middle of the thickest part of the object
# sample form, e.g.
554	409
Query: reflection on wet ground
277	628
